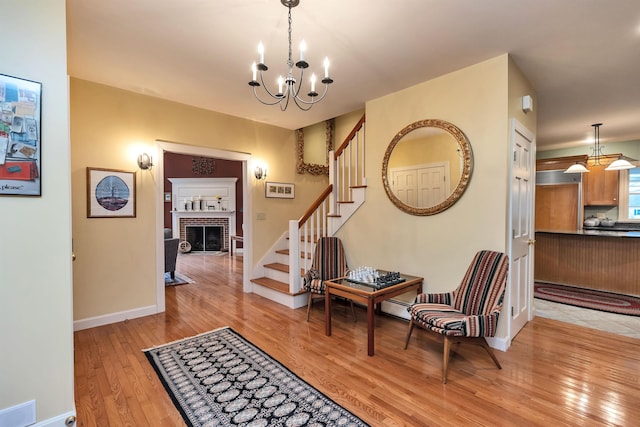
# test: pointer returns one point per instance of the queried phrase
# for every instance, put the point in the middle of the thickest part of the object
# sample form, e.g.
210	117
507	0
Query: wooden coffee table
369	296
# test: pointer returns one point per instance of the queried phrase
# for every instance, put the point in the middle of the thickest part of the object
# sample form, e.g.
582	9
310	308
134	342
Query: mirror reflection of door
422	185
427	167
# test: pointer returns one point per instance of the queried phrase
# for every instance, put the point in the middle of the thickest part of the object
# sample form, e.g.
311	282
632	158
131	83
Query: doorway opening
163	147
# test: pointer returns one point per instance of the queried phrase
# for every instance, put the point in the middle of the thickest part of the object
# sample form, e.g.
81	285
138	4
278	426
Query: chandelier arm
315	98
274	96
266	88
302	105
284	106
277	100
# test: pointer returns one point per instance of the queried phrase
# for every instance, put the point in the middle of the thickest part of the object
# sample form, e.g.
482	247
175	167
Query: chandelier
288	87
596	155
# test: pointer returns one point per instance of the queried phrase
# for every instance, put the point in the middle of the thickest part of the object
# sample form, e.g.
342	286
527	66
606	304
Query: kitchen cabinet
600	186
559	163
557	207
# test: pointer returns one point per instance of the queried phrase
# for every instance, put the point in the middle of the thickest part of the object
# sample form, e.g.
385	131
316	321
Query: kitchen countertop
595	232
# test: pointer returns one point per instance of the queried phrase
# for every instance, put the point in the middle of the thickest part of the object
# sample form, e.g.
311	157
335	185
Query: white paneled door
421	186
520	298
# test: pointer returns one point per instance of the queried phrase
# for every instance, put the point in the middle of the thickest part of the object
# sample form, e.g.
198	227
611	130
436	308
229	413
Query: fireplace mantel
203	194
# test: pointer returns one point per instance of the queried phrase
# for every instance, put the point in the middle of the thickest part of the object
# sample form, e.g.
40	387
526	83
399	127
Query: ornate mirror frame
464	150
312	168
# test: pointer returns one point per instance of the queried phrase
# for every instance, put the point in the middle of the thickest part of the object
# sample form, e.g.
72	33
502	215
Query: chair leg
483	343
445	358
353	311
406	342
309	305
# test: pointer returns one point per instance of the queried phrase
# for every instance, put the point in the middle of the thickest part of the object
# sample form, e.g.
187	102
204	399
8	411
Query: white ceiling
582	56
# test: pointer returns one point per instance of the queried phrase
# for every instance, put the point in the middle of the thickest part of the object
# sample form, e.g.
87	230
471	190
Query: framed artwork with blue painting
111	193
20	131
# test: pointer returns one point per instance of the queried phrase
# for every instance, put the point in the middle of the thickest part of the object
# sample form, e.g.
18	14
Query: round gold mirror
427	167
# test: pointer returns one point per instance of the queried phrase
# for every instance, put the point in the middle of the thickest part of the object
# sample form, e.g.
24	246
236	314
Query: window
630	194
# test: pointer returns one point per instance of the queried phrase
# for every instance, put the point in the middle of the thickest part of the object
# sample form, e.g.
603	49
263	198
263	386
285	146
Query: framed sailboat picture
111	193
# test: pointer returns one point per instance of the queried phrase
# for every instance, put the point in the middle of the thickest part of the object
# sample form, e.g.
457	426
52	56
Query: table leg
370	326
327	312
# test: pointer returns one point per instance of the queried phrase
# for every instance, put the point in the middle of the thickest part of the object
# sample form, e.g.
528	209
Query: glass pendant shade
619	164
577	168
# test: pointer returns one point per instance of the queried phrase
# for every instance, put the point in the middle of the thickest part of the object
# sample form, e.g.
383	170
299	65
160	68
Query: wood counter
607	262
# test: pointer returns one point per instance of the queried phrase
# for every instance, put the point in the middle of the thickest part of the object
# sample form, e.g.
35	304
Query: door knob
531	242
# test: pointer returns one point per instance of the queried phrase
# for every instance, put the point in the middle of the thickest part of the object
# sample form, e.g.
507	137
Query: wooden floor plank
553	374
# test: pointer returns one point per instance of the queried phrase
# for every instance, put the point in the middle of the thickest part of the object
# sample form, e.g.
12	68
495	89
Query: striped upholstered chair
329	262
470	312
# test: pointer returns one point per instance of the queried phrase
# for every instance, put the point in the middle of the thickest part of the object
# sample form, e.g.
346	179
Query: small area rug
220	379
588	298
180	279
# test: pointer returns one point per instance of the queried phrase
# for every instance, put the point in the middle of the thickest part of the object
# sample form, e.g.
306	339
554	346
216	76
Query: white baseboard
20	415
107	319
57	421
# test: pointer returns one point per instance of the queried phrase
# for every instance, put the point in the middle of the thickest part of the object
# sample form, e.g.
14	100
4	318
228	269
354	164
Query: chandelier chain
290	61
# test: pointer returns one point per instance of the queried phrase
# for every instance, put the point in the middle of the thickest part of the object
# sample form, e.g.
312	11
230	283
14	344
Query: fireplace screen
205	238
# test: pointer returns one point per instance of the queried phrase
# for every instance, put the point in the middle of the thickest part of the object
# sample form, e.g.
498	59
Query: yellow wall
36	335
438	247
519	86
115	271
115	267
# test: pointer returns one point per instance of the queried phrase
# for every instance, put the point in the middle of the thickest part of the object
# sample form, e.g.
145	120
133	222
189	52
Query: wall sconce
145	161
260	172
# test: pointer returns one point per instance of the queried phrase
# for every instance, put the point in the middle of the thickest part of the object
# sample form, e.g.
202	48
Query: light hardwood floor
554	374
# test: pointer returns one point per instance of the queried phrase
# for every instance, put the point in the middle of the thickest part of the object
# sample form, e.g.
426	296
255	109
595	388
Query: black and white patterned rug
220	379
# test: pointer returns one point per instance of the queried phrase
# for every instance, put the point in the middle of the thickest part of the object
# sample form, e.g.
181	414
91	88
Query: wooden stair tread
276	285
345	201
281	267
313	238
358	186
286	252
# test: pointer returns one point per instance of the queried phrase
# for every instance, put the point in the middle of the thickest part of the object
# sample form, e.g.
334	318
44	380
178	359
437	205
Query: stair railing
347	169
303	234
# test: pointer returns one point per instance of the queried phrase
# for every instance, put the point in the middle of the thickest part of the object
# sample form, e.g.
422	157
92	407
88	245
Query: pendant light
576	168
620	164
596	155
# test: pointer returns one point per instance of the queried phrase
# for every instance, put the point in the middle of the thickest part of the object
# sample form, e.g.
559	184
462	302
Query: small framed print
20	137
111	193
279	190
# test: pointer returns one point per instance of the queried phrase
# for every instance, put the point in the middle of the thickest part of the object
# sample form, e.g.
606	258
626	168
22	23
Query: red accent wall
181	166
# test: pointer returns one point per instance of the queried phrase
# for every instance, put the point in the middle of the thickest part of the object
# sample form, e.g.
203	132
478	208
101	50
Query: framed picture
280	190
20	157
111	193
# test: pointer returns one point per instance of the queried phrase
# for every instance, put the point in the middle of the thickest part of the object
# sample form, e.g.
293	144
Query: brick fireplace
205	234
224	219
215	207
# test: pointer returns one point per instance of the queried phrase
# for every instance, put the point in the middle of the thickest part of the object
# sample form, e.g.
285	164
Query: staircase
279	275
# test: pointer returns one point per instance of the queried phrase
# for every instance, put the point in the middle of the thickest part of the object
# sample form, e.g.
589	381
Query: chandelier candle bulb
313	82
280	83
303	47
326	67
261	52
255	72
